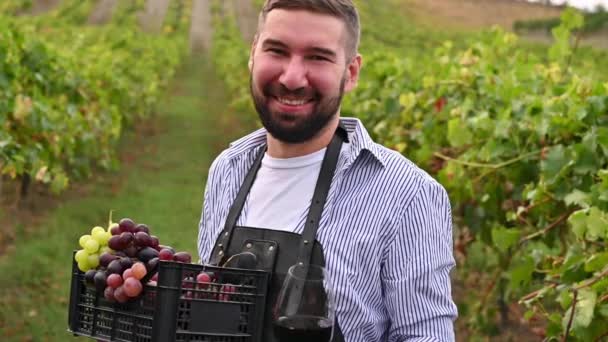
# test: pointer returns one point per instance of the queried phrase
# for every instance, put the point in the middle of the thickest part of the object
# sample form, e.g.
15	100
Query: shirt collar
357	134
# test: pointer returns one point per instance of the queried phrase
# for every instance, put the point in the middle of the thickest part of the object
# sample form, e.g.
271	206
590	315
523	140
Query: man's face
299	73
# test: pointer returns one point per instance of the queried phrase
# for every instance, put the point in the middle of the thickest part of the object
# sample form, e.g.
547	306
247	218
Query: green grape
91	246
98	233
105	249
81	256
83	240
93	260
102	237
84	266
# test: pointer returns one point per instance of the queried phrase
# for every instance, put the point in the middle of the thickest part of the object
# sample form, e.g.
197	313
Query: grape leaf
521	273
597	223
503	238
577	197
578	222
458	133
583	314
556	159
603	310
596	262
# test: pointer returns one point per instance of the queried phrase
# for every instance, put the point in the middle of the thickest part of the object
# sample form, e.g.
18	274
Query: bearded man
383	227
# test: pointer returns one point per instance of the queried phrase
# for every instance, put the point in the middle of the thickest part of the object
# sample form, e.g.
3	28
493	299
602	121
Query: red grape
120	295
139	270
108	293
182	257
203	278
132	287
165	254
227	289
114	280
128	273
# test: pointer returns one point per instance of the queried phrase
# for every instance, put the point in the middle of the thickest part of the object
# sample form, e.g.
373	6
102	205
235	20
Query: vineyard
516	132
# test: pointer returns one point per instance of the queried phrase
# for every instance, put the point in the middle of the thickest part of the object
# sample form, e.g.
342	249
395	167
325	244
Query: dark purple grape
115	230
100	281
155	243
142	239
182	257
120	254
142	228
131	251
126	238
106	258
126	225
117	243
126	263
115	267
89	277
151	264
146	254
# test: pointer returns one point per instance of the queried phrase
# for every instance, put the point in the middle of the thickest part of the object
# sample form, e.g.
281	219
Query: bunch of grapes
116	261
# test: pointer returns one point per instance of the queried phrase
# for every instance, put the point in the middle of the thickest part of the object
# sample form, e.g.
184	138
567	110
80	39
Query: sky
584	4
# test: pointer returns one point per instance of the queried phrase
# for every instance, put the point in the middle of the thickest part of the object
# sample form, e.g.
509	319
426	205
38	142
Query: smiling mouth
292	102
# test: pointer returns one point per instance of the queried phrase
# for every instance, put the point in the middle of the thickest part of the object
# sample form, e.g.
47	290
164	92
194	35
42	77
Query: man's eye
276	51
318	58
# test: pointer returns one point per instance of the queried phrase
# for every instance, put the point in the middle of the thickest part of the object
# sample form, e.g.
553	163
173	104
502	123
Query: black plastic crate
230	309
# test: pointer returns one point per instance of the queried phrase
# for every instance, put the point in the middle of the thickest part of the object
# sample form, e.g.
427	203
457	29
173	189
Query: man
385	228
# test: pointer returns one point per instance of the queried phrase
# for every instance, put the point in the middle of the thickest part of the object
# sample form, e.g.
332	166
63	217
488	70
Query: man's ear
352	73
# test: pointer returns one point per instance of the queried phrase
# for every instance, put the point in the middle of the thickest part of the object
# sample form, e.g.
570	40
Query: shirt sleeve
208	224
416	271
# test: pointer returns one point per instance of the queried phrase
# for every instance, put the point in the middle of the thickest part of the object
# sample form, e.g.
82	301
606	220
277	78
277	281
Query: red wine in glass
303	328
304	311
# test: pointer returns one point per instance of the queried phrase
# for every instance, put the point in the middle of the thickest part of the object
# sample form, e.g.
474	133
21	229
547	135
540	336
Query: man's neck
280	149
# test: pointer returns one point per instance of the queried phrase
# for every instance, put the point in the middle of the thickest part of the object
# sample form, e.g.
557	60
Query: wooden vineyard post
154	15
201	29
102	13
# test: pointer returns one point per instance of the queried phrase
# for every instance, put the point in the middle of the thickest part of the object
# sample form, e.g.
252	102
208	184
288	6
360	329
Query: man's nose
294	74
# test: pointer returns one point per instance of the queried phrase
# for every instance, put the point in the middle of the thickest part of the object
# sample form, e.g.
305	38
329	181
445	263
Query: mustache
279	90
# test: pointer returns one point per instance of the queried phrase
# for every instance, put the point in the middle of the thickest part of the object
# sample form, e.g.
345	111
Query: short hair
342	9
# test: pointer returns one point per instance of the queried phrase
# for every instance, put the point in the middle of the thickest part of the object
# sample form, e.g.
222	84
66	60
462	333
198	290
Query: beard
295	128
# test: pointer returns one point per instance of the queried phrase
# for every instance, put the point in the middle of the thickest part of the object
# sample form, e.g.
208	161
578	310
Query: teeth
292	102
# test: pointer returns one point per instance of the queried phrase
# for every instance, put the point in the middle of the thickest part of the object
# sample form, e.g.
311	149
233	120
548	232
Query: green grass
160	183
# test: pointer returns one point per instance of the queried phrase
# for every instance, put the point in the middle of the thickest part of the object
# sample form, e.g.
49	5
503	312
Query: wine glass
304	309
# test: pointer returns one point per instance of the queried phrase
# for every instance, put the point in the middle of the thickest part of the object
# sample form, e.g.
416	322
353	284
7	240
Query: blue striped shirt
386	232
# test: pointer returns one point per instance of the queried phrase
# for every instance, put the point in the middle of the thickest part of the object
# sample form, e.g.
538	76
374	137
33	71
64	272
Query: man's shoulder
240	148
399	167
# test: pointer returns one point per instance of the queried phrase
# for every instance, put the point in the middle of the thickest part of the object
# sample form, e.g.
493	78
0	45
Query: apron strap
235	210
319	198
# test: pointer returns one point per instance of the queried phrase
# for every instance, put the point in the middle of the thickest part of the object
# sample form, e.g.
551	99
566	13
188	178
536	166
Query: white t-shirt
282	191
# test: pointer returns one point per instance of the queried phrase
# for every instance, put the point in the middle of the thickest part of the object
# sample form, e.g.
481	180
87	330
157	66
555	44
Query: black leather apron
276	251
